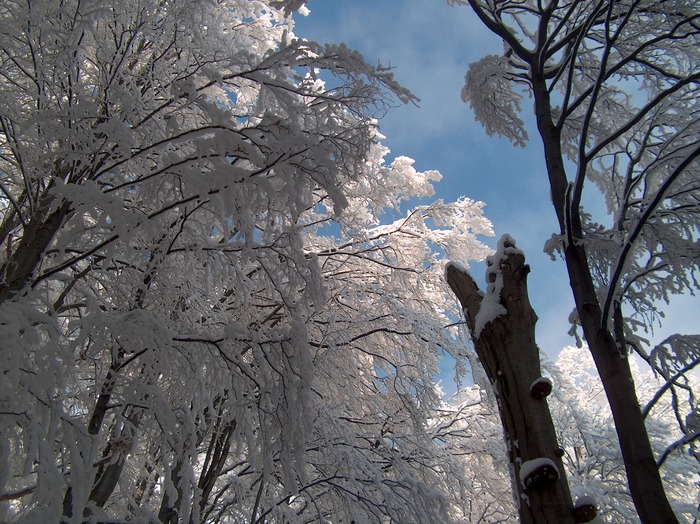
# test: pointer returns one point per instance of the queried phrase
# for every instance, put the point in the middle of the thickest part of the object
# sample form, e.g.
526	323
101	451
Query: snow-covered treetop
203	311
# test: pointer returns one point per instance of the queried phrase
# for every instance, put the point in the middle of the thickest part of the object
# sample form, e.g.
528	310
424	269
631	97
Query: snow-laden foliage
616	91
202	317
623	79
592	454
469	426
489	91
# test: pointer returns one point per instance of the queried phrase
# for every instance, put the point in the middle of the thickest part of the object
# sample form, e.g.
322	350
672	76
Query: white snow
531	465
490	310
585	500
491	307
541	380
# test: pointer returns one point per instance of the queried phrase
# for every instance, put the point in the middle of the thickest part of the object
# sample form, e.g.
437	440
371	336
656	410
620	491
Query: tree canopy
202	317
219	301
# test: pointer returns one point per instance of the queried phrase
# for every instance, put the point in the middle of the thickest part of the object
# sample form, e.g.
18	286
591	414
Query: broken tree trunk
502	326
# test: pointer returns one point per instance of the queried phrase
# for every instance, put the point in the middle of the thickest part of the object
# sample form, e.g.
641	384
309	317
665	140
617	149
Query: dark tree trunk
217	453
170	507
507	350
115	455
646	487
17	271
611	361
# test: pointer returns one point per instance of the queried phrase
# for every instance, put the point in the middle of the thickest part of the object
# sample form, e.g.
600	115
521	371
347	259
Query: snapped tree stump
502	326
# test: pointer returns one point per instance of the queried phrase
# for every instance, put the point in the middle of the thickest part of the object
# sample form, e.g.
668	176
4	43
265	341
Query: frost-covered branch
203	311
652	207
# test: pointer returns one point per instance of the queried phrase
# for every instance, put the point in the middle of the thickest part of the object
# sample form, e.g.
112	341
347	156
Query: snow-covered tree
470	428
592	455
615	91
501	324
202	317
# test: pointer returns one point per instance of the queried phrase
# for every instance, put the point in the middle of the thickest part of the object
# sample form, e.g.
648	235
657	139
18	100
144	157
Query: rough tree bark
506	348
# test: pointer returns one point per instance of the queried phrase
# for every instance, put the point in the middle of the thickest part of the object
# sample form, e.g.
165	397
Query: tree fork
506	348
646	487
17	271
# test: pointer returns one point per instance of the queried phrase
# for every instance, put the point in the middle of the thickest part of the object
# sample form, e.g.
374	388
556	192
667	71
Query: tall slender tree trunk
109	472
643	476
506	348
215	460
169	512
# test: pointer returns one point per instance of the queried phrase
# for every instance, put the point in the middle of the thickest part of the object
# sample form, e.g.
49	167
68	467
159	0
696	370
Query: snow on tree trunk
506	348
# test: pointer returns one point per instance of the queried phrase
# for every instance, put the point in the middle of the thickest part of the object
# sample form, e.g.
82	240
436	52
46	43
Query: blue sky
431	45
